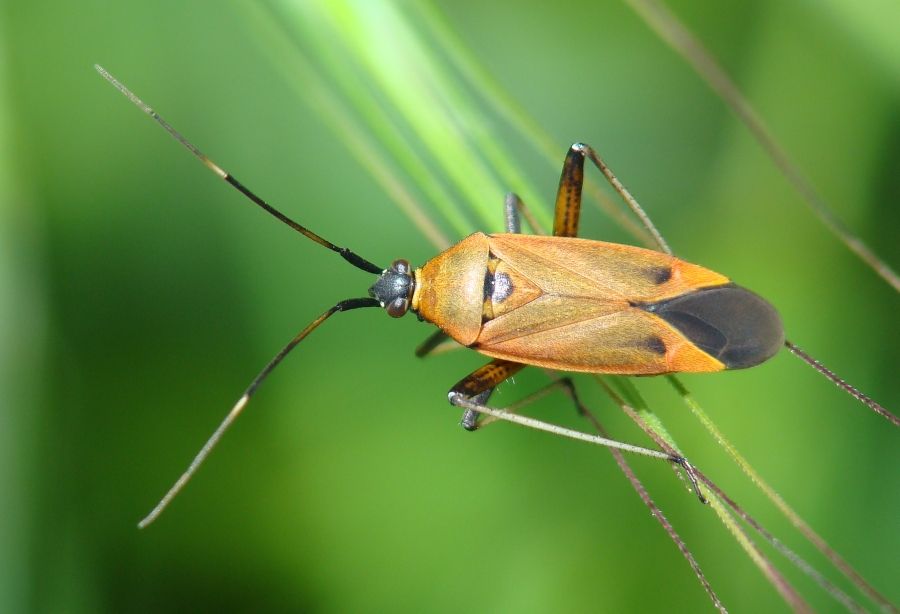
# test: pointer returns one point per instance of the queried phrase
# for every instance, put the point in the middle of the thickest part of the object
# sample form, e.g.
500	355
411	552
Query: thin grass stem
795	559
668	27
778	581
795	519
655	511
639	416
509	109
381	43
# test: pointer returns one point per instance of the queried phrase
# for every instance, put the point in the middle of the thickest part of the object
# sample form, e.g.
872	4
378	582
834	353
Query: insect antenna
348	255
347	305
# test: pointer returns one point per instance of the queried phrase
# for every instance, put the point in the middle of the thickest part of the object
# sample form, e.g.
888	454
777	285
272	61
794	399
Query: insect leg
515	207
478	386
568	196
468	402
470	417
475	404
434	341
568	199
568	387
512	205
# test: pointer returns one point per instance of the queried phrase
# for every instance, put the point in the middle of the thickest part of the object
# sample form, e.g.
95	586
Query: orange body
579	305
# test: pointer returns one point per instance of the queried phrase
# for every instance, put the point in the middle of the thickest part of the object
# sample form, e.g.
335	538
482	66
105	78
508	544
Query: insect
558	302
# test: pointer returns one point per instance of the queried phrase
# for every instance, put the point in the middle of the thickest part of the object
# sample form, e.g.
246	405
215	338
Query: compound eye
397	307
400	266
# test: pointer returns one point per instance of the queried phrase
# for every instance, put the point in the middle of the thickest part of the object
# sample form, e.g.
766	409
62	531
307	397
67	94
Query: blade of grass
655	511
320	96
792	556
22	330
569	388
508	109
667	26
776	498
374	37
633	404
458	102
666	443
295	50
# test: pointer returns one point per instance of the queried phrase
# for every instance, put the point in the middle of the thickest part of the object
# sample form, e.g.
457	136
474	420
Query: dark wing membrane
728	322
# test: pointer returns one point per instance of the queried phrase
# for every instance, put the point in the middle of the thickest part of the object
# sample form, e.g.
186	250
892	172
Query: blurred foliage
138	296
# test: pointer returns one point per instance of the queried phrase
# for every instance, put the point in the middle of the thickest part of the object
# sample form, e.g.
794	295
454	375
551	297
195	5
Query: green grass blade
801	525
667	26
312	87
509	110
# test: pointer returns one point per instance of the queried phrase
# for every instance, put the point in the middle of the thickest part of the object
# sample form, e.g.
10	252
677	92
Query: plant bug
558	302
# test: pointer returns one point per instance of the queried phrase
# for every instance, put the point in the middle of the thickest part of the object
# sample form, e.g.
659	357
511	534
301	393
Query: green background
139	295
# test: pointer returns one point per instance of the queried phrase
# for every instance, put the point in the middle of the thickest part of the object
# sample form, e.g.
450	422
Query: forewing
588	316
593	336
594	269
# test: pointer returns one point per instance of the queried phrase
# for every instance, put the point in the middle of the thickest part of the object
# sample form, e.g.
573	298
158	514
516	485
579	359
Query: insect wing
591	313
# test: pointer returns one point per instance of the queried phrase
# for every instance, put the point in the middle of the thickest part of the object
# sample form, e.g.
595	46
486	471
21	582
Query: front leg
478	386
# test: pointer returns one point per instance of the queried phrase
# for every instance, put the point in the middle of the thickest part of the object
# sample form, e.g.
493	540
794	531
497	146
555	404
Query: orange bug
557	302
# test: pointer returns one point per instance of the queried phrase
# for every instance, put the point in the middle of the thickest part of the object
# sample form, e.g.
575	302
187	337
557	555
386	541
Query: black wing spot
655	345
727	322
661	274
